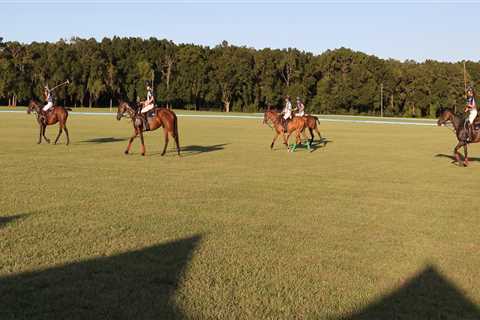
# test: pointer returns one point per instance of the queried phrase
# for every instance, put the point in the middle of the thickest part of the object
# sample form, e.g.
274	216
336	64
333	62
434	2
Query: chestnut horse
55	114
163	117
297	125
461	131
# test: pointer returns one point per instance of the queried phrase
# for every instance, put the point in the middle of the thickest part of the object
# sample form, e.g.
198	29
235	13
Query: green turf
375	225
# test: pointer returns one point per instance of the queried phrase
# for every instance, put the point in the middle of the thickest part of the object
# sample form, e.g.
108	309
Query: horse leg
311	134
457	154
175	138
273	141
143	142
44	131
58	135
66	132
166	142
40	133
285	140
465	152
318	132
129	146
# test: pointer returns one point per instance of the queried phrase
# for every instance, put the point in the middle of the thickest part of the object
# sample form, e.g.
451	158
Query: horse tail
175	132
317	120
68	109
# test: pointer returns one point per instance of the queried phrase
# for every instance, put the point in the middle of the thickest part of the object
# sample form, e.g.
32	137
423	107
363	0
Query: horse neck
274	117
456	121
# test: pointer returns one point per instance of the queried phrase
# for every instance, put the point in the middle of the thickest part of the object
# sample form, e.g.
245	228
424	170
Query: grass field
377	224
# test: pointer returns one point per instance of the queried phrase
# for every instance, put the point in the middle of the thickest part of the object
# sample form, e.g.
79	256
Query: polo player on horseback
287	112
471	108
300	108
48	97
148	105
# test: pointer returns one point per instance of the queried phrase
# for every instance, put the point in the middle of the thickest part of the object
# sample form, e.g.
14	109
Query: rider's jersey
300	107
49	96
471	102
288	107
149	95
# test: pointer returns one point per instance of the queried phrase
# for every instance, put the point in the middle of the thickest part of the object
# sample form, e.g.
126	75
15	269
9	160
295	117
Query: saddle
144	117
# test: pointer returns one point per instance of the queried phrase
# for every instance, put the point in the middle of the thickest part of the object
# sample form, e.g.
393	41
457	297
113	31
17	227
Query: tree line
229	78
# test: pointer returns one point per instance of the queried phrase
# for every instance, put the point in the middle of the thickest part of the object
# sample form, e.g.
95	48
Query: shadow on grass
451	157
197	149
428	295
133	285
5	220
104	140
191	150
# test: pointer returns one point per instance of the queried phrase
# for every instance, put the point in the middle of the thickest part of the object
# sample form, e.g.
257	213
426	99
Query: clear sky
445	31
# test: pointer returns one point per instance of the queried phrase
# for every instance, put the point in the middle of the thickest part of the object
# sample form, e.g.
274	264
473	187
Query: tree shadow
104	140
428	295
451	157
6	220
134	285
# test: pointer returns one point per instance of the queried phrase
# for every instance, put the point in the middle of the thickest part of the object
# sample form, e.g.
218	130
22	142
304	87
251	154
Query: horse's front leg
465	152
40	131
286	137
274	139
142	141
129	146
457	154
43	133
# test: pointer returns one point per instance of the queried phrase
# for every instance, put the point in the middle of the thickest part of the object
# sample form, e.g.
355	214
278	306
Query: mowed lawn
377	224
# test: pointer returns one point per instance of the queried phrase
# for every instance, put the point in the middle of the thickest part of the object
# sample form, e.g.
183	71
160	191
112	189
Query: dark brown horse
461	131
162	117
296	125
311	122
55	114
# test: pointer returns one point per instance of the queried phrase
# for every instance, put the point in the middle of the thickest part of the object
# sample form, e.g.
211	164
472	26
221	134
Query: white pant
472	115
147	108
47	106
300	114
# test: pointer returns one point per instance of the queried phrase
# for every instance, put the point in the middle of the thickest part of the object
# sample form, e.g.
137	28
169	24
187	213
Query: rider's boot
285	125
145	122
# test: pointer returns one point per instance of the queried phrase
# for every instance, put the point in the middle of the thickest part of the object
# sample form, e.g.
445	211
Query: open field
377	224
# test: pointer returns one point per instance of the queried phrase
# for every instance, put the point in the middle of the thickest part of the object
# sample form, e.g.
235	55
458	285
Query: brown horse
461	131
162	117
55	114
311	122
297	125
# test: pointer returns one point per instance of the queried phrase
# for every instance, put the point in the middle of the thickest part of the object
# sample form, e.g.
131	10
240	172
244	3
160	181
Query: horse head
444	116
124	108
33	106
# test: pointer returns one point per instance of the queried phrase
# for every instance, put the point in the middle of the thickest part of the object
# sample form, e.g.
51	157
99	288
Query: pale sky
440	30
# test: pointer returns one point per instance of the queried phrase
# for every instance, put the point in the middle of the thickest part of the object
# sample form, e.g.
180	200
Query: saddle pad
151	113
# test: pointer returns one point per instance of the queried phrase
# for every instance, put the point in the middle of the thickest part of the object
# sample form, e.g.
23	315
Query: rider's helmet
287	97
470	89
298	99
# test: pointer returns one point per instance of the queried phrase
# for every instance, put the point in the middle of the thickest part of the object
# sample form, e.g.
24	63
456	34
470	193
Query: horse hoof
143	153
126	152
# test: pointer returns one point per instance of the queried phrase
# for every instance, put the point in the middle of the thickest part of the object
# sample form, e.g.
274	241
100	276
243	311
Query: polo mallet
61	84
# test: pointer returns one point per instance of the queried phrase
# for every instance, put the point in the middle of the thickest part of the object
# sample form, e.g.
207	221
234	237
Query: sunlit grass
302	235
